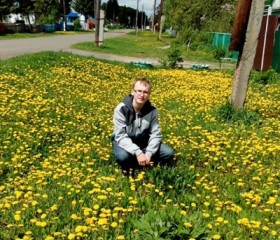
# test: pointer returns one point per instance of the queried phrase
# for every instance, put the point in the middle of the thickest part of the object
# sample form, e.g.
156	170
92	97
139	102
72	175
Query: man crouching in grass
137	139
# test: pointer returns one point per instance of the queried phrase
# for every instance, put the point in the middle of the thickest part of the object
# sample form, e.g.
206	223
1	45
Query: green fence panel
221	40
276	52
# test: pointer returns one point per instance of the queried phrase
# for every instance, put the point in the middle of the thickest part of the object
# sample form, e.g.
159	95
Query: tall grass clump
228	113
58	178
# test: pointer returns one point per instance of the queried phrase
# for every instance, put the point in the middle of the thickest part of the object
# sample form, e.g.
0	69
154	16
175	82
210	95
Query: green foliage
228	113
49	19
265	77
168	224
211	16
77	25
173	58
112	9
46	10
219	54
85	7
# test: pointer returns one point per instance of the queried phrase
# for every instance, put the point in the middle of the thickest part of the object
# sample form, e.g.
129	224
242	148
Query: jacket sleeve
155	135
121	136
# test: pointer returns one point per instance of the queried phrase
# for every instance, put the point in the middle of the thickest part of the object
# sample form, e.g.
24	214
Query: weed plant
58	178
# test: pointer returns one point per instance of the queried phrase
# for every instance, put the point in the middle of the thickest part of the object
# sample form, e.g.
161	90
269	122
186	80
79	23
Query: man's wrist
138	152
149	154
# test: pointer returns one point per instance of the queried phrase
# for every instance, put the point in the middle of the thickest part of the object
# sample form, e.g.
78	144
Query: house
268	49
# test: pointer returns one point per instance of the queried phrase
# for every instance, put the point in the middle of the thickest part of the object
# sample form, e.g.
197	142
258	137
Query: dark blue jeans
126	161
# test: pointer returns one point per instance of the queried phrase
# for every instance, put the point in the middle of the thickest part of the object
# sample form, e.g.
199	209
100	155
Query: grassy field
146	44
58	179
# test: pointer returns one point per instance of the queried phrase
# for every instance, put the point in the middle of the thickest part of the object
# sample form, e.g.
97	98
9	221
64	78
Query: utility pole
64	17
97	21
154	16
136	18
244	66
160	14
142	24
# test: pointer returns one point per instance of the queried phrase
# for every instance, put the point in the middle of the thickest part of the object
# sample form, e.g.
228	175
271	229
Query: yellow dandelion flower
134	202
188	225
216	237
71	236
49	238
102	221
114	224
271	200
265	228
206	215
184	213
17	217
75	216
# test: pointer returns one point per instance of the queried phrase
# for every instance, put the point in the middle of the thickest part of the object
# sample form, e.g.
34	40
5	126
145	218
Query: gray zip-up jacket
137	131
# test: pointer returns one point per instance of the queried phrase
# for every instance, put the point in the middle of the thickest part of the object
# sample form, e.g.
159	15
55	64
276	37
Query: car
147	28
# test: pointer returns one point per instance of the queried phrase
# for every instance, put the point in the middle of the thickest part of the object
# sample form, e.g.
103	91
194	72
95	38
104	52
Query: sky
146	5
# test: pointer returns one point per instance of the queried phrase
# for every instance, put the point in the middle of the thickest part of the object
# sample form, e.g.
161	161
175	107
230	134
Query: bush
228	113
219	54
173	58
264	77
77	25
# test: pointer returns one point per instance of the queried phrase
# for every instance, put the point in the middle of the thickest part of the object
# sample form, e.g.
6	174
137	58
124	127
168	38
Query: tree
26	8
46	8
6	7
84	7
189	16
123	16
112	10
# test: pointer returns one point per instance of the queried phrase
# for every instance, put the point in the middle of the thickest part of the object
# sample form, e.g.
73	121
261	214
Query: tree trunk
244	66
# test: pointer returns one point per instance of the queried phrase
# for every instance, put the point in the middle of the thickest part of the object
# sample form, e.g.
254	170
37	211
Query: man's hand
148	158
143	160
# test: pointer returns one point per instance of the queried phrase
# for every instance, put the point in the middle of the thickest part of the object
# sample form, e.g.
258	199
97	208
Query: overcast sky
146	5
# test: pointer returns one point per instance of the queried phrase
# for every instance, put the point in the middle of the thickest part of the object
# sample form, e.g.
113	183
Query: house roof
72	15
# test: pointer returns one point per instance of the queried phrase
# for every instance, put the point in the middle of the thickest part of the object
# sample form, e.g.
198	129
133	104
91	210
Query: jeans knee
122	156
167	152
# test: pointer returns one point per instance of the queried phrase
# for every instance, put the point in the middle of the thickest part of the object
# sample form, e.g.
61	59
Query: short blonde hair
143	81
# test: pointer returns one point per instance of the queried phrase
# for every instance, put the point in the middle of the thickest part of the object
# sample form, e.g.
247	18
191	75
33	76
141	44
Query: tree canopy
189	16
84	7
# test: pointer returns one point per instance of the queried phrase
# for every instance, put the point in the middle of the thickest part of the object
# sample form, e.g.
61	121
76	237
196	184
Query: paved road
15	47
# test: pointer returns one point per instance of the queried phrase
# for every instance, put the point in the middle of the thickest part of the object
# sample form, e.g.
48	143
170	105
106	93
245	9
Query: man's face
141	93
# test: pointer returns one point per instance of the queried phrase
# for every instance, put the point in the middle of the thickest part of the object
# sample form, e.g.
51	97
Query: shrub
77	25
219	54
264	77
228	113
173	58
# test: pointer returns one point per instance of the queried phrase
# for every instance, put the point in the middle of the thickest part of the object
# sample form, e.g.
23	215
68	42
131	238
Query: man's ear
132	92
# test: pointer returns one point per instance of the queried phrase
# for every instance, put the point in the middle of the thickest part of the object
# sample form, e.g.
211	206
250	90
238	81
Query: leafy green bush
173	58
219	54
77	25
265	77
168	224
228	113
